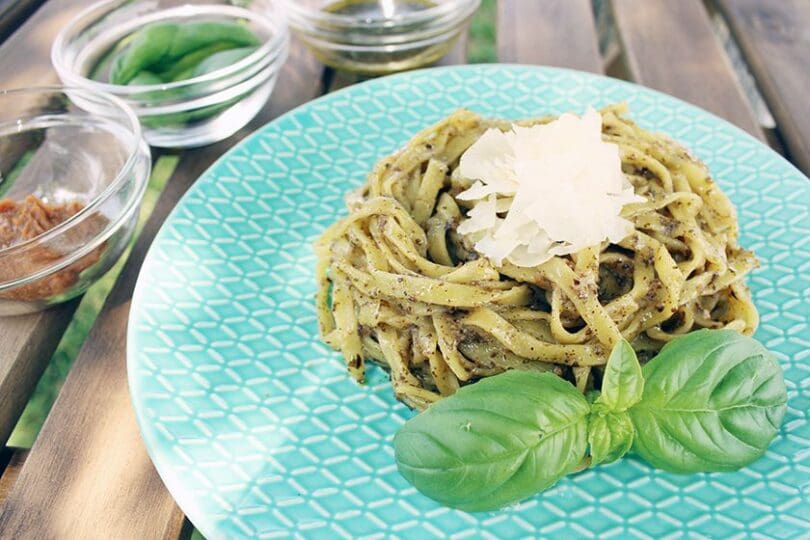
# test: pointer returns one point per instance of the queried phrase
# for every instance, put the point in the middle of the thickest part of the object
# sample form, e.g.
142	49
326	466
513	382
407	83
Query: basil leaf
713	401
610	436
495	442
160	46
623	383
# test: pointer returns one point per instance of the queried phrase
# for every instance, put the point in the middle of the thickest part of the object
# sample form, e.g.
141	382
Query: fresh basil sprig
710	401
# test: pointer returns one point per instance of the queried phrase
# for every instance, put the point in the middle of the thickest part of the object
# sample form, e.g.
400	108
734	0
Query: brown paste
25	220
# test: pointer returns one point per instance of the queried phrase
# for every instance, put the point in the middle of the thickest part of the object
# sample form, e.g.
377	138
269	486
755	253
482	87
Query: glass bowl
71	184
374	37
192	112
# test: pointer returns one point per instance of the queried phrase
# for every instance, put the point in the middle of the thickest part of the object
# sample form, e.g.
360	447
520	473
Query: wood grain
88	475
26	346
11	460
774	37
13	13
27	342
549	32
25	57
670	46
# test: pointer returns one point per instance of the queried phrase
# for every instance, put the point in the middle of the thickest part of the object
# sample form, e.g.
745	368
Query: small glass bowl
88	169
186	113
374	37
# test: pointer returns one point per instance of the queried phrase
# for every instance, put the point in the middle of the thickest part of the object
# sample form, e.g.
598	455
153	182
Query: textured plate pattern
258	431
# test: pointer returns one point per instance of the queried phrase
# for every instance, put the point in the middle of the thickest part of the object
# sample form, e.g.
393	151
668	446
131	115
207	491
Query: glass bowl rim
269	48
326	45
138	144
316	15
436	28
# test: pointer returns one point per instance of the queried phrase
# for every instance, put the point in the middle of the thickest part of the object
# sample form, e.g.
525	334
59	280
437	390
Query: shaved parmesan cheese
559	184
482	217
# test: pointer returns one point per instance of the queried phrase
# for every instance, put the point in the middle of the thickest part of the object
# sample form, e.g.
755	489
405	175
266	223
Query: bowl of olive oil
374	37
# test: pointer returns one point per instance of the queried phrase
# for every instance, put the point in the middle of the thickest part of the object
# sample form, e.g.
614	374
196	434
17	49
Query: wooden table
88	475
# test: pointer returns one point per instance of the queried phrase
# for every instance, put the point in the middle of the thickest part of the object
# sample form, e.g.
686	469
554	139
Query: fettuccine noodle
397	284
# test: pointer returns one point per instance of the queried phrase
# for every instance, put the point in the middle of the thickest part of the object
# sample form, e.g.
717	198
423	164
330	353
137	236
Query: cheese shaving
545	190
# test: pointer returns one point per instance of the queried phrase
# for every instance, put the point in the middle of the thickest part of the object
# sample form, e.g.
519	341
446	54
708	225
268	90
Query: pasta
398	285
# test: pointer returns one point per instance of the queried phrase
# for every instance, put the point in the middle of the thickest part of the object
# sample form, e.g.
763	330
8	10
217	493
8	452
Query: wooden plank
11	460
670	46
557	33
25	57
88	474
13	13
29	341
25	348
775	40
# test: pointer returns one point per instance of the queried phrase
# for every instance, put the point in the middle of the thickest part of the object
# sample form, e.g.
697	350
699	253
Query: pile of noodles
399	285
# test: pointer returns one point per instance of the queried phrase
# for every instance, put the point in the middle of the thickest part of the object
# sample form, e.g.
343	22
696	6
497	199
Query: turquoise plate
258	431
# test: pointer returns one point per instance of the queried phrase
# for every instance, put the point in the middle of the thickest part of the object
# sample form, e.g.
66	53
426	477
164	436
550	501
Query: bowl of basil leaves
194	72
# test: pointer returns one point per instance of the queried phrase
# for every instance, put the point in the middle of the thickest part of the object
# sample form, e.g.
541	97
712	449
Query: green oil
381	61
